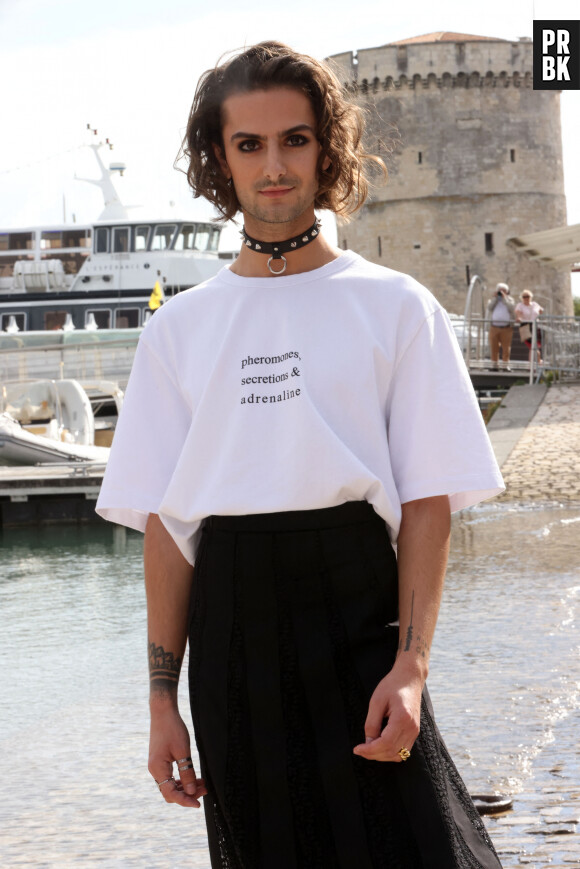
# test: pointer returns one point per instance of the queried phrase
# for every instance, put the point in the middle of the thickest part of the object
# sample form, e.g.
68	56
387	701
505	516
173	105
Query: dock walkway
49	493
535	434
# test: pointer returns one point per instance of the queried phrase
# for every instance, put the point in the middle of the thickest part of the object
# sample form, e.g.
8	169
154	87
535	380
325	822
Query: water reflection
506	652
67	596
505	681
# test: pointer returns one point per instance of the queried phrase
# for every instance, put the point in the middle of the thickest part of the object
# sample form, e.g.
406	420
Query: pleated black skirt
288	639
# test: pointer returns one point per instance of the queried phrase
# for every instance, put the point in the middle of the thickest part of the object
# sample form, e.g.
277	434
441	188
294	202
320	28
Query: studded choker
277	249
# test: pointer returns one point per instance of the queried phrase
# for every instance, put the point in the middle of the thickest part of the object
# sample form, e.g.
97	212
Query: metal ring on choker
282	270
276	249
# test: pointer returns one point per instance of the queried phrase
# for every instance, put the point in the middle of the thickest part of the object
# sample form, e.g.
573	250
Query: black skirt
289	637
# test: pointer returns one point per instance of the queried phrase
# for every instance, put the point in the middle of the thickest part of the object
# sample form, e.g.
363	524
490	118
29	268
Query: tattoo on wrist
164	668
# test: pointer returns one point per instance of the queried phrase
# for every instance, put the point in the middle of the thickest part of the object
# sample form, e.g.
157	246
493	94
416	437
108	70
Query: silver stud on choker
277	249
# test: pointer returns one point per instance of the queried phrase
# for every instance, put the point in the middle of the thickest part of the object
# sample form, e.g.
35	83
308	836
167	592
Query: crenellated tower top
438	60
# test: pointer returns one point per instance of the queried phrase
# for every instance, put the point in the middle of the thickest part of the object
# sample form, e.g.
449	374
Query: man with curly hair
307	403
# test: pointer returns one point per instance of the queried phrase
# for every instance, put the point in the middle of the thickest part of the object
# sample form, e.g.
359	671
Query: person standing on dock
500	311
307	403
526	311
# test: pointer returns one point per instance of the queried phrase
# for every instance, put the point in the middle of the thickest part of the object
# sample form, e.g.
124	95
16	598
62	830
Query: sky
129	69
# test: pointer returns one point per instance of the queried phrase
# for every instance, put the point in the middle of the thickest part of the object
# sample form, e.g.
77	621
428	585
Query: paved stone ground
545	463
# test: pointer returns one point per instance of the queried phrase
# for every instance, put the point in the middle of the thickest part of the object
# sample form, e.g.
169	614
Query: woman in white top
526	311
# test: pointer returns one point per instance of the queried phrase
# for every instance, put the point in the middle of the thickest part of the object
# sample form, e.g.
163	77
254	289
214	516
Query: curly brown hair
343	186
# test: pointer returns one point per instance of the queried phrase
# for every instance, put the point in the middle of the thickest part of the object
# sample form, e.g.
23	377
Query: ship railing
84	361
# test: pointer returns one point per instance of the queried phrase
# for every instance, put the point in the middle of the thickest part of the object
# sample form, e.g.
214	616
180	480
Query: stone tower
474	157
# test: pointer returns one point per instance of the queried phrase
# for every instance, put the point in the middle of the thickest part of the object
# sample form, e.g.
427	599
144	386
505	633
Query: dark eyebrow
296	129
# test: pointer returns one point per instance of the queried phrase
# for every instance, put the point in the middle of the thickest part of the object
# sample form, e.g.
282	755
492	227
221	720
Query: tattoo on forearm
409	636
419	644
164	669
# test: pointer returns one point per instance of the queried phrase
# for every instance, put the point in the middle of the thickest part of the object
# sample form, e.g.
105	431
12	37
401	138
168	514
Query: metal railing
559	349
112	359
105	360
560	340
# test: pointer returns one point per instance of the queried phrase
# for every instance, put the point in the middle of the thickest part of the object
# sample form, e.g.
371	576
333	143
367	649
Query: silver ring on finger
184	760
185	766
164	782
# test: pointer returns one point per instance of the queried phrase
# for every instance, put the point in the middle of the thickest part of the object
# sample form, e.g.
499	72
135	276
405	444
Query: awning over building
557	247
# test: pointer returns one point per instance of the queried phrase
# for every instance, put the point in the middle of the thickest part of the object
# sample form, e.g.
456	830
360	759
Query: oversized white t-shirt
259	395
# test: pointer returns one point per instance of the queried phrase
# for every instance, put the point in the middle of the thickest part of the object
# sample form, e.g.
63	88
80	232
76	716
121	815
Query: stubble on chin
276	213
265	215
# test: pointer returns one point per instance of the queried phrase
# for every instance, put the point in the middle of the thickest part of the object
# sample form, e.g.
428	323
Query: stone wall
474	157
437	58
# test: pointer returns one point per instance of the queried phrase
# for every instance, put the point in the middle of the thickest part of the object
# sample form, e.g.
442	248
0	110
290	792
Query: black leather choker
276	249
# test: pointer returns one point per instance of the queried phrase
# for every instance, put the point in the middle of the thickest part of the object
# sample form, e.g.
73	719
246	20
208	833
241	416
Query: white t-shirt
259	395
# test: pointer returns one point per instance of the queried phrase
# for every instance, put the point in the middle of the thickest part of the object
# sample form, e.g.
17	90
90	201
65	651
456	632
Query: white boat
53	421
101	275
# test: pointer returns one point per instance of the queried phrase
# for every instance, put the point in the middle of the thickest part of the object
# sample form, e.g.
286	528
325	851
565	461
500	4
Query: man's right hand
169	743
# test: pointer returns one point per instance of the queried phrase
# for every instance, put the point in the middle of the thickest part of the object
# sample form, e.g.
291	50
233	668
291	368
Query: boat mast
114	208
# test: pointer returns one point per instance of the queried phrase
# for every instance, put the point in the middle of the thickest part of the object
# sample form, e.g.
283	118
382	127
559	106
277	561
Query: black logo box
557	55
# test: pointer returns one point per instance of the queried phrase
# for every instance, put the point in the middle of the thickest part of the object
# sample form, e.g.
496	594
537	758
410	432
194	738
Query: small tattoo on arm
164	669
422	646
409	636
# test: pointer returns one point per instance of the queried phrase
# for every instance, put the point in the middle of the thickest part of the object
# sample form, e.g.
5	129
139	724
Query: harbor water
505	682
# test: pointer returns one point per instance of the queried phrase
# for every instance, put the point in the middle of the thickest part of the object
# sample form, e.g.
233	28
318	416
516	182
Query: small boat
51	421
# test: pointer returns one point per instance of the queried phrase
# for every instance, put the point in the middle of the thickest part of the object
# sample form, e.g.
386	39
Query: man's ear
219	154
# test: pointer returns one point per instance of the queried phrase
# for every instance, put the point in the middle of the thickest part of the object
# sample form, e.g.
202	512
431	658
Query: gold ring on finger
404	753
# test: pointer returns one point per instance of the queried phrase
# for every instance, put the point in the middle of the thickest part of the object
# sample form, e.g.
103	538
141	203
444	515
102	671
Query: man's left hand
398	699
